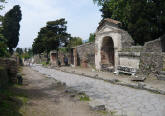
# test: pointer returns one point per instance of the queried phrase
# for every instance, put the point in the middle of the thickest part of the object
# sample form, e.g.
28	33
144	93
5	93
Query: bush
3	50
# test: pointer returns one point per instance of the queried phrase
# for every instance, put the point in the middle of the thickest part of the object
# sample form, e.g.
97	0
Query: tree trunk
47	56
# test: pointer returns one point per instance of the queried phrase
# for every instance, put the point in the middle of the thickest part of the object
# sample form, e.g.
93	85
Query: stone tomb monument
110	39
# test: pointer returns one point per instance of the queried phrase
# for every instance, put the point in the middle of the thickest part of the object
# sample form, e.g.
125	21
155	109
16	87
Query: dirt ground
47	98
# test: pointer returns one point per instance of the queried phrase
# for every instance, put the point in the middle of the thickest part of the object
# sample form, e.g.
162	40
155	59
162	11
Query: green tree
143	19
3	41
75	41
11	27
51	37
38	46
19	51
3	47
91	37
1	6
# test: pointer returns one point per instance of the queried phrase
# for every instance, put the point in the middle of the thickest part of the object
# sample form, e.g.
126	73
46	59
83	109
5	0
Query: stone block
138	78
161	77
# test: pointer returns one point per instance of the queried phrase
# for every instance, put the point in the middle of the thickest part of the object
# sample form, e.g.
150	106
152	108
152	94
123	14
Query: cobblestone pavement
118	99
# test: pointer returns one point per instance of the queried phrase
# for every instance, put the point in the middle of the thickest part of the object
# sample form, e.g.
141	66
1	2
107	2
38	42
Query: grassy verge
106	113
163	69
11	102
45	63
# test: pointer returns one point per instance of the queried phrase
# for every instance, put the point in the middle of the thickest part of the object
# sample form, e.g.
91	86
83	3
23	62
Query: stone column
75	56
163	61
116	55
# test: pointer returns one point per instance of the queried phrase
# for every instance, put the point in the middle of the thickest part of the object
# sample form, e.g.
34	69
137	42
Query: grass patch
84	98
20	68
163	69
45	63
103	112
106	113
11	102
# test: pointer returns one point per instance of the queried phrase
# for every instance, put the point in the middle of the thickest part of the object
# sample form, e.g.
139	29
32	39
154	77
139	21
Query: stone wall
151	62
86	54
39	58
163	61
8	66
126	39
129	59
133	49
153	46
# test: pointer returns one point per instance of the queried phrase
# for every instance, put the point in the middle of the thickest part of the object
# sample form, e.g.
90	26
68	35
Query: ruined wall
163	61
8	71
39	58
153	46
151	60
86	54
129	59
126	39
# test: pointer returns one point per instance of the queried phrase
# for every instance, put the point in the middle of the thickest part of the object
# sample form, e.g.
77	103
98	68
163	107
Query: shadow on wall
163	43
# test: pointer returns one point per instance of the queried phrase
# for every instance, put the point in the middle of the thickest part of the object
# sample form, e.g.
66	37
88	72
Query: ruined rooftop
110	21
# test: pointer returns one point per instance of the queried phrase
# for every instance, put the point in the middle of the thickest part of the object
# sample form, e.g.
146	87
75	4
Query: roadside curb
140	85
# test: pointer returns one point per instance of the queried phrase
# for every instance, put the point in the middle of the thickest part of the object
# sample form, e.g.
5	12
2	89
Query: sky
82	16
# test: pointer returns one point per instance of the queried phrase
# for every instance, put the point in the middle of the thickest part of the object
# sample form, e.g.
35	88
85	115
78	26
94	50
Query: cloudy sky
82	16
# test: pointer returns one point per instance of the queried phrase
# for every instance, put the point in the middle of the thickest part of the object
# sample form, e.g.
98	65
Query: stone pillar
69	58
116	58
75	56
53	58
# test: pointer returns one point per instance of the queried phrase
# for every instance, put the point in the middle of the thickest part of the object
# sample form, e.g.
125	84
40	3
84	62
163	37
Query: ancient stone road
116	98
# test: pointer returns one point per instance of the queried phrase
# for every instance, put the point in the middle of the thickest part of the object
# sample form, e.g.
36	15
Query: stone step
162	73
161	77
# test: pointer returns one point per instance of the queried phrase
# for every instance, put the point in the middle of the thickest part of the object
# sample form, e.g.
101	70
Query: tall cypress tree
11	27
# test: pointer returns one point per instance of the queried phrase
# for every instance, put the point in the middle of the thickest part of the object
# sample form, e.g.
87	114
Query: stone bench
126	70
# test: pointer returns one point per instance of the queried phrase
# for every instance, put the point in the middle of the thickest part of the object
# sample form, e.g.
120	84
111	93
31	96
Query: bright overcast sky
82	17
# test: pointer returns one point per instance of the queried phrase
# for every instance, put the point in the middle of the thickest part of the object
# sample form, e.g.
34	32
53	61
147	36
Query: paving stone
114	97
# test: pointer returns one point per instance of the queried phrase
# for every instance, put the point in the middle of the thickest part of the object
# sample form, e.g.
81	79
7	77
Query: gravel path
46	97
122	100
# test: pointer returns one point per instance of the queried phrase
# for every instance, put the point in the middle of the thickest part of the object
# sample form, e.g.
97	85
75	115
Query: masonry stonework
9	68
163	61
86	54
120	38
151	62
153	46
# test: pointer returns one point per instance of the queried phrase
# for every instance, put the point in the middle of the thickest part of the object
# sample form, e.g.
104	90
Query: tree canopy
143	19
75	41
51	37
3	41
91	37
11	27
